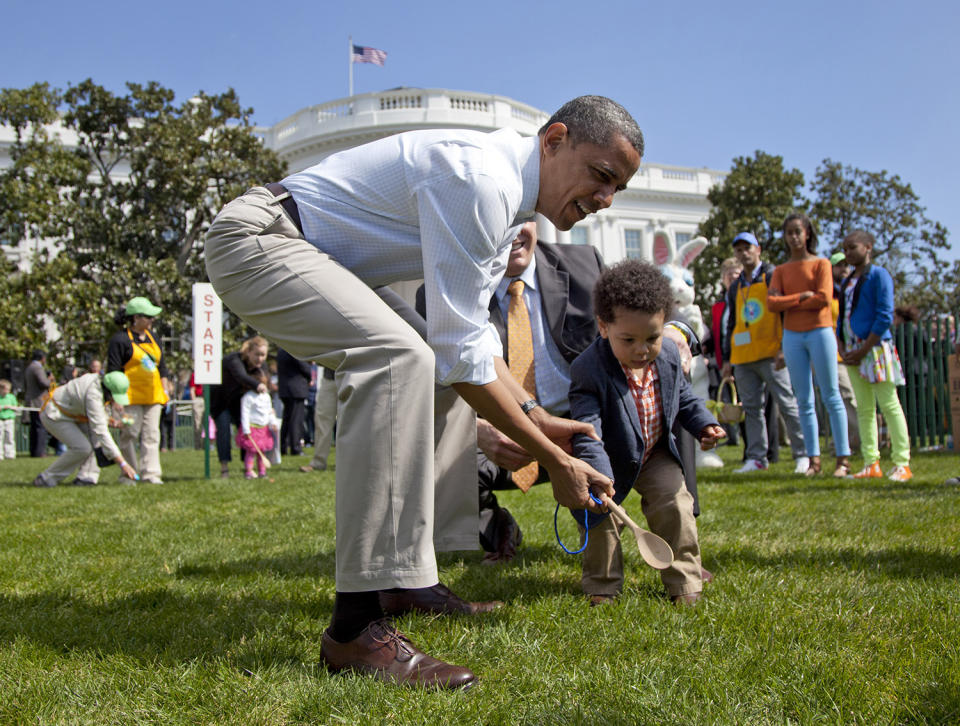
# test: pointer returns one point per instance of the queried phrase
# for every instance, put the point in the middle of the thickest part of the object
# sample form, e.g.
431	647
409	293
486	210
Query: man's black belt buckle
289	206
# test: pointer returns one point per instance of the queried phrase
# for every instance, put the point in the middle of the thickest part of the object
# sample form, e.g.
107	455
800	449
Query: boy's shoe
803	463
900	473
249	475
751	465
952	481
41	482
870	472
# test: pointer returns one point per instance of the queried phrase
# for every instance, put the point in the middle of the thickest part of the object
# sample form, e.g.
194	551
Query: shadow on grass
322	564
159	625
475	581
903	562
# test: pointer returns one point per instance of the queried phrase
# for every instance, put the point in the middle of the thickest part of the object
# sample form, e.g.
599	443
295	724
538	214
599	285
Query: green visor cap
142	306
117	383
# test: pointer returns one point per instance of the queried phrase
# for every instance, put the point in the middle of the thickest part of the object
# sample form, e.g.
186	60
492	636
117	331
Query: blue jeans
819	348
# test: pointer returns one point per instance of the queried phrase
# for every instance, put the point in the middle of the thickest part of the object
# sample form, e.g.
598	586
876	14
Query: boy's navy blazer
599	395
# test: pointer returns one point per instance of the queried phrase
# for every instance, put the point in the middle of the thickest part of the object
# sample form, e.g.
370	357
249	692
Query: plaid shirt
646	394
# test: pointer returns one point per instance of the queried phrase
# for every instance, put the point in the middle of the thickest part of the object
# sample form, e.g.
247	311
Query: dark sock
352	613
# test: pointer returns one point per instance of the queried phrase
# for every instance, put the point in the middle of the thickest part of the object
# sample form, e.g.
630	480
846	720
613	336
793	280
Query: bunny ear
662	253
689	251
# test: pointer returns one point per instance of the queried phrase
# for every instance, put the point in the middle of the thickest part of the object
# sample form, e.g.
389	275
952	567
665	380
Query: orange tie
520	352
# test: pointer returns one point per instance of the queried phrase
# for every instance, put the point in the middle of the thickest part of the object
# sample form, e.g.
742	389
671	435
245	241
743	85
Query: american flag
363	54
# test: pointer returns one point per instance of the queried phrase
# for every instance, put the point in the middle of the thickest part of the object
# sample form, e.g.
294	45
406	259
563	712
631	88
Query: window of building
633	243
579	236
683	238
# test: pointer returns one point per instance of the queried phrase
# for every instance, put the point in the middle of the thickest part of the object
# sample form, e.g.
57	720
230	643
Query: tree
33	187
908	243
755	197
144	180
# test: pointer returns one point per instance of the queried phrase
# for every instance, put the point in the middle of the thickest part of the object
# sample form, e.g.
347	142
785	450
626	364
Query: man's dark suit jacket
600	395
293	376
566	275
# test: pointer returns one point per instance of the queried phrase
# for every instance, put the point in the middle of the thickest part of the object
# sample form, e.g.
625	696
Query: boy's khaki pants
668	508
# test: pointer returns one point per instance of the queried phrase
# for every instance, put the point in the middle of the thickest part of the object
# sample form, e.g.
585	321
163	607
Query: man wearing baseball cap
135	352
76	415
752	347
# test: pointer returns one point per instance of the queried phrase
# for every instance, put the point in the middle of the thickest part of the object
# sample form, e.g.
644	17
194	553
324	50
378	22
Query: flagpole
350	61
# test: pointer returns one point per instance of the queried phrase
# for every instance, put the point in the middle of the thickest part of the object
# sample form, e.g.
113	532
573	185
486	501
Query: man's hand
779	362
710	436
726	371
686	357
574	480
499	448
560	430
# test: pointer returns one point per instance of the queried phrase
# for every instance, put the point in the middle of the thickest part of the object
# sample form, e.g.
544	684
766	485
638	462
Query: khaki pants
324	419
76	437
308	304
668	508
145	431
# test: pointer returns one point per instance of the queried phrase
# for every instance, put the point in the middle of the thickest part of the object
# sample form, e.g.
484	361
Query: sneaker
41	482
803	463
249	475
751	465
900	473
870	472
952	481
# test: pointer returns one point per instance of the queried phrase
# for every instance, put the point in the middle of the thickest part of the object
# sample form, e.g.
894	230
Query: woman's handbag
727	413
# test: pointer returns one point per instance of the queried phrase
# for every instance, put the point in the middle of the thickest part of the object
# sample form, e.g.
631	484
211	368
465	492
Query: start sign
207	334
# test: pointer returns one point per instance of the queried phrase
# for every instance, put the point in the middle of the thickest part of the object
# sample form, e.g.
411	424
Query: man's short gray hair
597	120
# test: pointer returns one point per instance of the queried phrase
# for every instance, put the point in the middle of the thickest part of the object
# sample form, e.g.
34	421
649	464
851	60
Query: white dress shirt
441	205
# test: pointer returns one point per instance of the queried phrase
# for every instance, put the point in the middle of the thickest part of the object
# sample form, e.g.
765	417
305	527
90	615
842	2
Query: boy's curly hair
633	285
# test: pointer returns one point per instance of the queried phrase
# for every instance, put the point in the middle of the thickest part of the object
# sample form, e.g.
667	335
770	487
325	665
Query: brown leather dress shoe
691	598
509	538
706	575
438	599
385	653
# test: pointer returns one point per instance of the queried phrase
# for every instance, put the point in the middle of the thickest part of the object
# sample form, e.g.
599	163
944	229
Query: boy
8	420
629	384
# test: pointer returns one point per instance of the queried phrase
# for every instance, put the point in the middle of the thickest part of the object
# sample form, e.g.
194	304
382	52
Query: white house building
660	199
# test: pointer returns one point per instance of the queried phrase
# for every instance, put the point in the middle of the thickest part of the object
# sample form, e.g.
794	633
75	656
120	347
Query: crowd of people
522	362
827	320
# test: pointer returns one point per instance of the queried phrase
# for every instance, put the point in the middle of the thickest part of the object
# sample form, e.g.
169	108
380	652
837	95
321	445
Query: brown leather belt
289	206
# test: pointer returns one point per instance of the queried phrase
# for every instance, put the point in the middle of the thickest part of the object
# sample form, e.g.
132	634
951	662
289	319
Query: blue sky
873	85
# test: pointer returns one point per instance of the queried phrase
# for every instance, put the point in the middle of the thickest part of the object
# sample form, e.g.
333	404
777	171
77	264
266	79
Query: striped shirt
646	395
444	206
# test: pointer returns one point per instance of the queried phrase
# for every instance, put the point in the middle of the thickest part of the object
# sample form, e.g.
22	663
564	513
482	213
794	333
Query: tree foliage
908	243
759	192
755	197
127	198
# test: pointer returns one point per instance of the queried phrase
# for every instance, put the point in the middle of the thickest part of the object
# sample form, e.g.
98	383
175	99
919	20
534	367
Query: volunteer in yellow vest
752	349
136	352
75	413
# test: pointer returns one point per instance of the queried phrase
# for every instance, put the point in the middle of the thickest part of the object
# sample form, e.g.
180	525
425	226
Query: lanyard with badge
749	311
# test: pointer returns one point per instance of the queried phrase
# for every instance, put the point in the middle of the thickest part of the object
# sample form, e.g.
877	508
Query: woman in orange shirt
802	289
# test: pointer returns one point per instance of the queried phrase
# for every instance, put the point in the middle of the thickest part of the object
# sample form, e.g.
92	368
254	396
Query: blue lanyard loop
586	535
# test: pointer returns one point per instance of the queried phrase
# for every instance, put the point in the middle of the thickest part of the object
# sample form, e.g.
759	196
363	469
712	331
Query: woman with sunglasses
137	353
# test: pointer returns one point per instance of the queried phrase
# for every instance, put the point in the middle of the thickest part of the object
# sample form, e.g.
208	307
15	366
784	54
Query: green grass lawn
204	602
